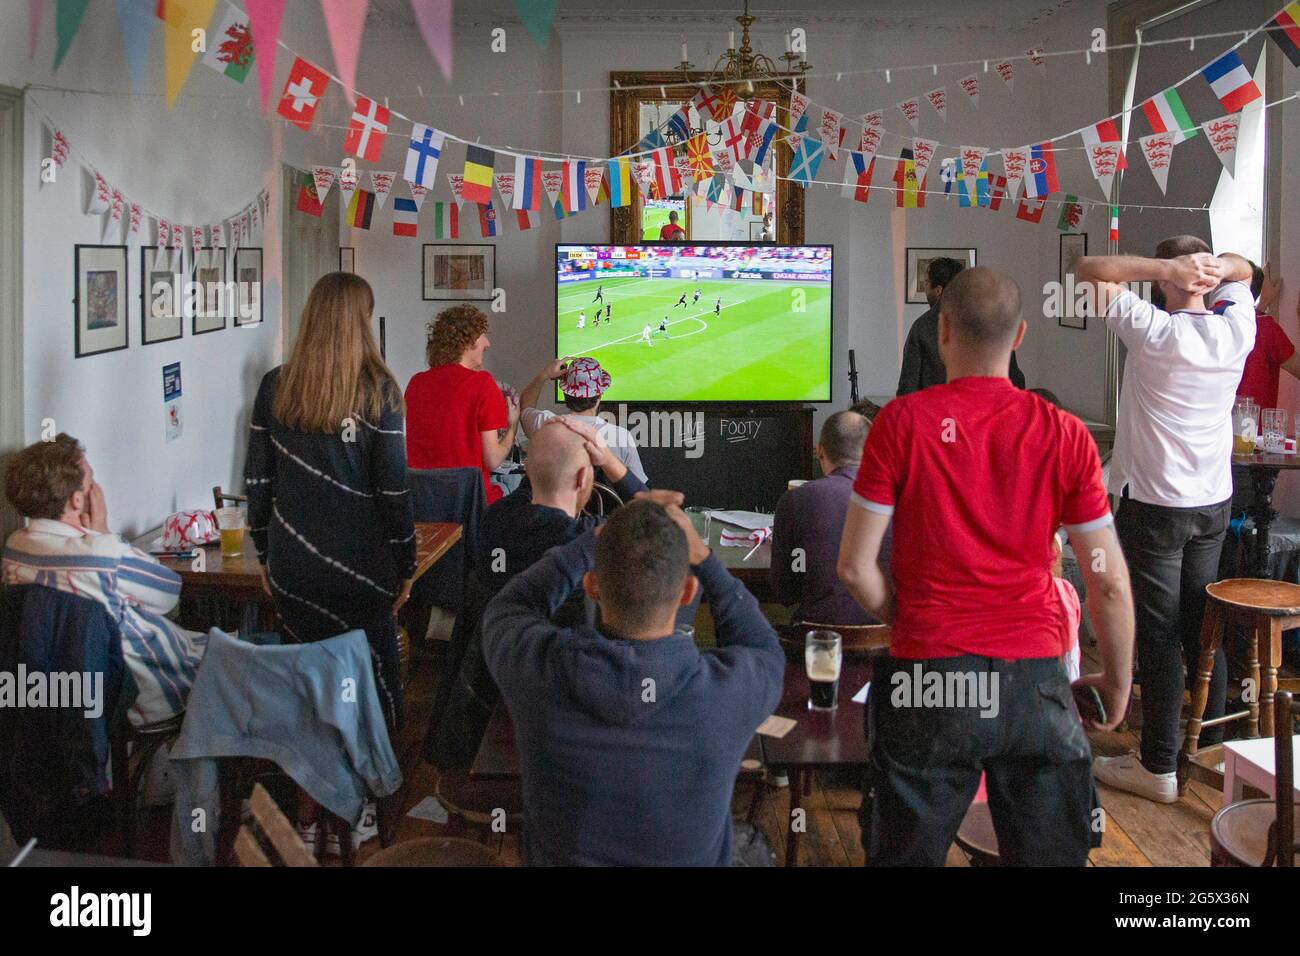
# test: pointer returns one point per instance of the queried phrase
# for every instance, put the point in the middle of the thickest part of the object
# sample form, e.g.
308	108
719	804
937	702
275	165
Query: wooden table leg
1269	687
792	835
1258	636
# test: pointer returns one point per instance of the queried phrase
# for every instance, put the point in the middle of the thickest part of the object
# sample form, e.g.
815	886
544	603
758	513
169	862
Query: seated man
630	737
582	381
67	546
809	523
975	679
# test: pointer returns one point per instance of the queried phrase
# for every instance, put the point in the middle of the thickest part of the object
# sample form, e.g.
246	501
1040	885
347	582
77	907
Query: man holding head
630	737
1171	469
922	362
977	476
808	524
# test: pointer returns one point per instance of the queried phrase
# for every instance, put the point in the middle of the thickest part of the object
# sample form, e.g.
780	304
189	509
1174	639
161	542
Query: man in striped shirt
67	546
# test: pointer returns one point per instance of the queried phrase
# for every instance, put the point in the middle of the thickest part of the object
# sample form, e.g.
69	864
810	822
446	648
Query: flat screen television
717	322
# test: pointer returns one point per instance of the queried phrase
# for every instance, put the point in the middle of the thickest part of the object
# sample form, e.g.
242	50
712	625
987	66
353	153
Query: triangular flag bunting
938	98
434	20
457	183
594	175
136	22
383	185
537	16
873	128
345	21
67	21
830	130
322	178
972	161
418	193
1158	148
1222	134
1007	72
230	47
970	85
923	155
1036	57
264	18
911	110
1015	162
505	183
181	20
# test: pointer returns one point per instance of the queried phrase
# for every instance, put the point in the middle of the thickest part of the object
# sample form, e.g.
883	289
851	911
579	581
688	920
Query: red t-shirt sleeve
1279	343
878	474
492	412
1084	502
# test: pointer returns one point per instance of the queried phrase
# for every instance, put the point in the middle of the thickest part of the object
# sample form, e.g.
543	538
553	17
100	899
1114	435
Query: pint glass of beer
230	523
822	659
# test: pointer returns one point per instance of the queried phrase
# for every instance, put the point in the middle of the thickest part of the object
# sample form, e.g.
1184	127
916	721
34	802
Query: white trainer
1127	773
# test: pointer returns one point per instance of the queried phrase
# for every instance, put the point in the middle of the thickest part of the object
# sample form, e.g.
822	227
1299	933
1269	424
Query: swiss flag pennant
302	93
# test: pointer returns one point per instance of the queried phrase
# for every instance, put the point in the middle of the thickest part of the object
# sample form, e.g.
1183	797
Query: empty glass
1273	430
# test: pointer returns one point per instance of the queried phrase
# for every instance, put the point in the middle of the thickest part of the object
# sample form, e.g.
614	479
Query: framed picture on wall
458	272
1074	246
160	299
248	286
756	232
210	274
347	259
918	263
100	303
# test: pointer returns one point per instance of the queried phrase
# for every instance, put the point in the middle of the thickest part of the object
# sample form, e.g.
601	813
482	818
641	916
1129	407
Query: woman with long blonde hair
328	504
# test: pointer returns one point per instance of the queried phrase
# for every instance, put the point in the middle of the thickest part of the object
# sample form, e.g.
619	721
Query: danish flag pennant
970	85
367	129
302	93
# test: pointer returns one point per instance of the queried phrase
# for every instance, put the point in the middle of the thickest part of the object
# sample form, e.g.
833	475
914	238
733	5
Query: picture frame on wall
756	232
458	272
918	262
210	274
160	318
347	259
1074	246
248	286
100	302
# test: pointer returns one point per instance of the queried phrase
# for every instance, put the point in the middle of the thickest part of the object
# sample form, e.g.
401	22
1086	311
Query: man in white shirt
1171	471
582	381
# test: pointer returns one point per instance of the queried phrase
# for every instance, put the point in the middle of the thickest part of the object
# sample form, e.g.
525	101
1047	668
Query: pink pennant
434	19
345	20
34	10
264	21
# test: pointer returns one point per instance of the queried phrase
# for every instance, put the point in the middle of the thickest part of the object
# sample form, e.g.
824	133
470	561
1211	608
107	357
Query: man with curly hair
454	409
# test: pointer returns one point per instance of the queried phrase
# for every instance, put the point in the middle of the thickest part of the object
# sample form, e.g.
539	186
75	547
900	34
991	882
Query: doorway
11	287
311	249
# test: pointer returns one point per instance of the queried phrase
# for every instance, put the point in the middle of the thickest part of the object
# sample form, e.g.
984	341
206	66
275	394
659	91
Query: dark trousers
926	763
1172	554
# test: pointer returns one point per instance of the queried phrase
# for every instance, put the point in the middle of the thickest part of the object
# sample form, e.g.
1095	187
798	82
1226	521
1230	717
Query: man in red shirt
456	416
1273	350
976	476
671	232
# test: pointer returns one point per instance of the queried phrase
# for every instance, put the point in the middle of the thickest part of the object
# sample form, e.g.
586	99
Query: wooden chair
435	851
1261	833
142	743
479	803
219	497
977	838
269	836
603	499
1265	609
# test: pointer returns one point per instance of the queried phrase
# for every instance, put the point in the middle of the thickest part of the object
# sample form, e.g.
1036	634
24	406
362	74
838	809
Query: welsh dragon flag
230	48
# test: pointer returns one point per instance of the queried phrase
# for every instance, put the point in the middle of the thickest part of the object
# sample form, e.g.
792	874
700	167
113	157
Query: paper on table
861	696
429	809
776	726
744	519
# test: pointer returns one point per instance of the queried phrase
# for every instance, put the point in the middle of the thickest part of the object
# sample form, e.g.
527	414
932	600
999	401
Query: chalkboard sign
723	457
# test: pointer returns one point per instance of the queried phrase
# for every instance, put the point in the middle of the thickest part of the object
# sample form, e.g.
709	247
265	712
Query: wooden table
754	573
822	738
239	579
1264	469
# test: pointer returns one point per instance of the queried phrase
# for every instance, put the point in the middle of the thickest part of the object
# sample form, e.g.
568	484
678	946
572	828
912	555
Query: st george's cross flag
367	129
1167	114
478	174
406	216
422	155
1040	171
302	93
573	192
528	183
1231	82
1285	31
700	157
735	139
858	170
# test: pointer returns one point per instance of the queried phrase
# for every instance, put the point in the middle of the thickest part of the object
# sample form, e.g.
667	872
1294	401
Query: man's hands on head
1198	273
95	515
599	453
697	548
556	367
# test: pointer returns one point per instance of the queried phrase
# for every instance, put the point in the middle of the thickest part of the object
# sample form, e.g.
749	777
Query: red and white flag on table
101	196
1007	72
594	176
367	129
382	183
1015	161
457	183
1036	57
1158	148
972	158
830	130
1222	134
798	106
418	193
922	155
858	169
552	185
938	98
873	129
911	110
302	93
970	85
322	178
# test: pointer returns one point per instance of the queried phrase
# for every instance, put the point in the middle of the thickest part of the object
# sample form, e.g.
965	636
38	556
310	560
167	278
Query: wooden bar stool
1265	609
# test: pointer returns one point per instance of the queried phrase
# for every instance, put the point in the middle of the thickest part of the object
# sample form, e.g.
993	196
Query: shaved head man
990	472
559	468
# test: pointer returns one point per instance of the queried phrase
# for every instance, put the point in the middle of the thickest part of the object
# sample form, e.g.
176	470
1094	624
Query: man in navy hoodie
629	736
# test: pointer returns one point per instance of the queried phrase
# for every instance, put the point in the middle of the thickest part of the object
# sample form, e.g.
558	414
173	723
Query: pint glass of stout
822	659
